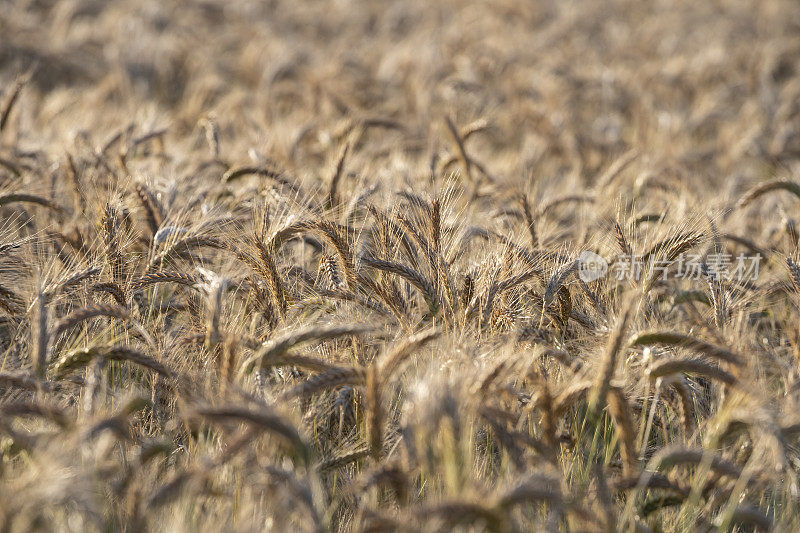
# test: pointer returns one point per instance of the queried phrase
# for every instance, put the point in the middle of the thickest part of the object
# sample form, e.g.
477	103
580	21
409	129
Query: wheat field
413	266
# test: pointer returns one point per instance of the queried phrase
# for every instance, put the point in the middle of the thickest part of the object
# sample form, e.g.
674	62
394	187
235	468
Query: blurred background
709	91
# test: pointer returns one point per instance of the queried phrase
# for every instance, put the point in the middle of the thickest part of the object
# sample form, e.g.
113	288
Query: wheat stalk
82	357
768	186
87	313
328	380
333	199
20	197
613	347
671	338
279	346
670	367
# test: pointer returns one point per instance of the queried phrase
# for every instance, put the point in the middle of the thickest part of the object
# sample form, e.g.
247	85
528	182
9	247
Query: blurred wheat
313	266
